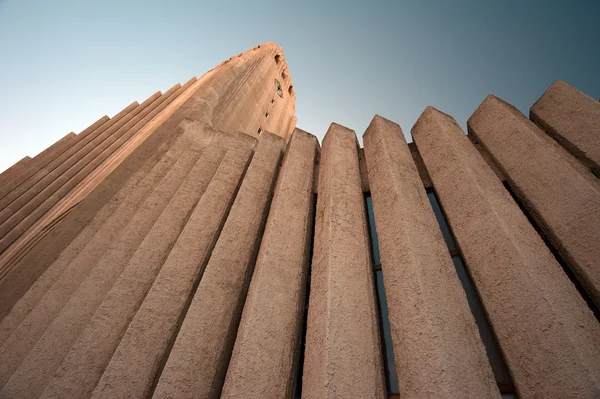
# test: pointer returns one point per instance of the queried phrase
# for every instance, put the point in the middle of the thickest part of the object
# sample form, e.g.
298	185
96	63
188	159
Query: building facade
200	245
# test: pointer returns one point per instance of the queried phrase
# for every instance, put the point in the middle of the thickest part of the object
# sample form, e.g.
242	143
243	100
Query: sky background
65	63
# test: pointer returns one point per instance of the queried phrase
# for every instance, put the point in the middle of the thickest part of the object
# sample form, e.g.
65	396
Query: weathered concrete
45	357
343	352
266	352
437	346
83	366
561	195
572	119
108	223
548	335
198	361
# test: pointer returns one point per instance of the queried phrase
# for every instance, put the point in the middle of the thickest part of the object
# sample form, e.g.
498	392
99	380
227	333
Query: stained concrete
266	353
549	337
343	351
197	363
45	357
83	366
560	195
437	346
571	118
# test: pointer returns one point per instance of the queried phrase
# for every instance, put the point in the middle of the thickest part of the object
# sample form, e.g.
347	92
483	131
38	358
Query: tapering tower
250	93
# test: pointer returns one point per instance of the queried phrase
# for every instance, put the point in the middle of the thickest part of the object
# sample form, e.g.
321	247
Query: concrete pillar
266	352
36	364
64	275
548	335
83	366
572	119
343	351
437	347
198	361
560	194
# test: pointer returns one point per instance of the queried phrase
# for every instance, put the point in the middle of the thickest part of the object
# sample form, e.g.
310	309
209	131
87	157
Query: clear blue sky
65	63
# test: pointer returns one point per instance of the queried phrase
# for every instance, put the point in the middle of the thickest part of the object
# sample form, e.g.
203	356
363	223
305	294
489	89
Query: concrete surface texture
548	335
560	195
437	346
572	119
198	361
265	358
199	245
343	350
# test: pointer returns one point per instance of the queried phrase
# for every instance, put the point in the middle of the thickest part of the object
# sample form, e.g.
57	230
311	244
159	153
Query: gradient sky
65	63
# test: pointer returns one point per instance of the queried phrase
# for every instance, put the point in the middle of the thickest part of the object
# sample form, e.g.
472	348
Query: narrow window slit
391	375
302	346
488	337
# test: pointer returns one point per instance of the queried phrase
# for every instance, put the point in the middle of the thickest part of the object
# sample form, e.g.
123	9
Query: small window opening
267	115
278	88
277	58
291	90
259	130
272	101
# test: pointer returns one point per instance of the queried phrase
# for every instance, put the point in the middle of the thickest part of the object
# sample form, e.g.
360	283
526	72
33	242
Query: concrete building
200	245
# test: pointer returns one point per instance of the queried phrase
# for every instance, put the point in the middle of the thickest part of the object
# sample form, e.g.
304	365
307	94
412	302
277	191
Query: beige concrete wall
561	195
266	353
198	361
572	119
208	190
343	352
437	346
34	360
548	335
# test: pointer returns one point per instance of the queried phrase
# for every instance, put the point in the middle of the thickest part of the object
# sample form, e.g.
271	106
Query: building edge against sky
200	243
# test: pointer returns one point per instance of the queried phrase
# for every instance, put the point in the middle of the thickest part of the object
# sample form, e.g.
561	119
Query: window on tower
278	87
277	58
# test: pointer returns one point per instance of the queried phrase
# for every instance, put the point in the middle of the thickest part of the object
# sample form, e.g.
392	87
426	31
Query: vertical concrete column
89	246
343	352
209	192
38	353
266	352
548	335
572	119
560	194
198	361
437	346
